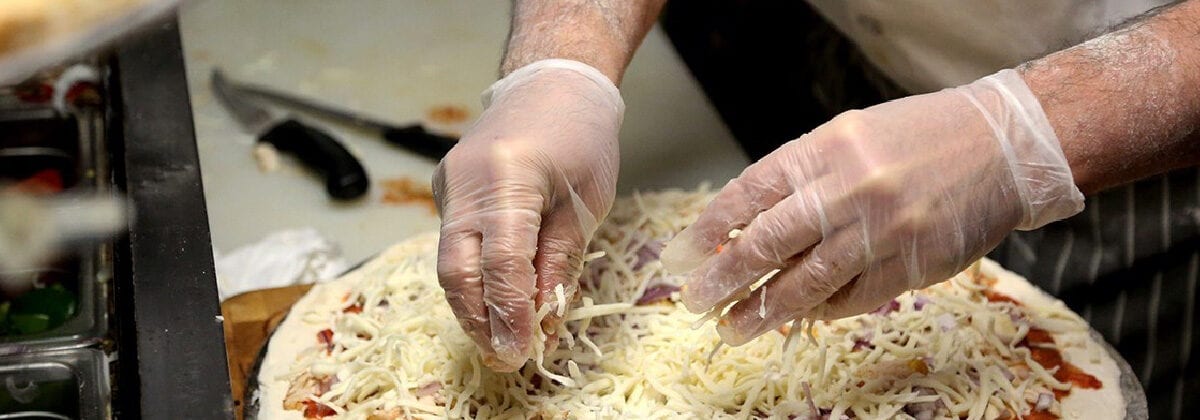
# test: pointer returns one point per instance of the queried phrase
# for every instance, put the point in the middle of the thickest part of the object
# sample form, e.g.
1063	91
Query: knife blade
345	177
412	137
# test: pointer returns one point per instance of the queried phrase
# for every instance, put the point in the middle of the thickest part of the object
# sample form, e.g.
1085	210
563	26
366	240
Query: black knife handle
345	178
419	141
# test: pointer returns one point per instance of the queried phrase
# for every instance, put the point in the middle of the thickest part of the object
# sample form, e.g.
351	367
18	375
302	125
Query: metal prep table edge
172	361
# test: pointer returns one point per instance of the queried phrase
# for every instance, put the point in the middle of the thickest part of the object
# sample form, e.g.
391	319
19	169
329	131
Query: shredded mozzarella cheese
647	361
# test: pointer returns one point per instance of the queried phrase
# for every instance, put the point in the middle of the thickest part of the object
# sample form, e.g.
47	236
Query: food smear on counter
37	161
405	191
447	114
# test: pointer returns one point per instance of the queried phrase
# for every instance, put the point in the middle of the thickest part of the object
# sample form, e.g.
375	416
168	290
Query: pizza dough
381	342
25	23
39	34
1082	349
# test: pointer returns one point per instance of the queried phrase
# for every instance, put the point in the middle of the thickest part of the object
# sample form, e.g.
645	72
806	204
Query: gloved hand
520	196
873	203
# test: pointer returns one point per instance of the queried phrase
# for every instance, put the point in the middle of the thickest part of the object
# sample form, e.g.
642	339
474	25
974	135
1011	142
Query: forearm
1124	105
601	33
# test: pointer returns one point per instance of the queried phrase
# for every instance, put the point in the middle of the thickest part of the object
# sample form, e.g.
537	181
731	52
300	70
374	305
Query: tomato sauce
1042	350
325	337
316	410
993	296
1040	415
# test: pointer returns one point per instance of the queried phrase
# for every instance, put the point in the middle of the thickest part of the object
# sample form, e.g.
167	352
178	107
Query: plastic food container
45	152
54	384
34	141
85	278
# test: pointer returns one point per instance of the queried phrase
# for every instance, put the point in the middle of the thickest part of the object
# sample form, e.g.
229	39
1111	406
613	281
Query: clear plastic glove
874	203
520	197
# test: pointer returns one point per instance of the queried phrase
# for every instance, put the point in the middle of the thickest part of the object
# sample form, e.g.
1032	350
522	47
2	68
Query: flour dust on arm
601	33
1119	102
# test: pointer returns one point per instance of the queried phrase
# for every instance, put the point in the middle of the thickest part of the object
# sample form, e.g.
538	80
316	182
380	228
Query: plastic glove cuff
533	70
1035	157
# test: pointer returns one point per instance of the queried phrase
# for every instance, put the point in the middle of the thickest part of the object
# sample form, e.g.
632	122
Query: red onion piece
812	405
920	301
647	253
864	341
946	322
657	293
1007	373
428	389
887	308
326	384
1044	400
591	275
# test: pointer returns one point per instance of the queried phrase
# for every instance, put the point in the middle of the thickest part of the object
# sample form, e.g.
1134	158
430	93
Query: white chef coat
926	45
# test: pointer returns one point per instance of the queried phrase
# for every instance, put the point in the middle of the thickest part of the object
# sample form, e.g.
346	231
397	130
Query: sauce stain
447	114
405	191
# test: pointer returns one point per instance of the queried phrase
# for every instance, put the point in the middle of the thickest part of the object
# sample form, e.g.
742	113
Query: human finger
509	283
758	188
809	281
768	242
460	276
559	261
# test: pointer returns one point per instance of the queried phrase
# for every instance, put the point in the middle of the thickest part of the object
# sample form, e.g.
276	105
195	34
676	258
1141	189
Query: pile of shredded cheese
945	351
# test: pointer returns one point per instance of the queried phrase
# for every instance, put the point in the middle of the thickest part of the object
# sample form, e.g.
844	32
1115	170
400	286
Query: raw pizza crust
294	335
25	23
38	34
1087	354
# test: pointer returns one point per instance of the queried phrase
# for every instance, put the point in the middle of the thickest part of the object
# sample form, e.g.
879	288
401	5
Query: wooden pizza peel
251	318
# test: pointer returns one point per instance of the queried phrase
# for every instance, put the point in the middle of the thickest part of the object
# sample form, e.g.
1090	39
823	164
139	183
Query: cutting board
249	319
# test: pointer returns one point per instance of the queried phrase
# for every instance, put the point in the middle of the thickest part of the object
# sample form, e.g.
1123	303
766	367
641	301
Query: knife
345	177
412	137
